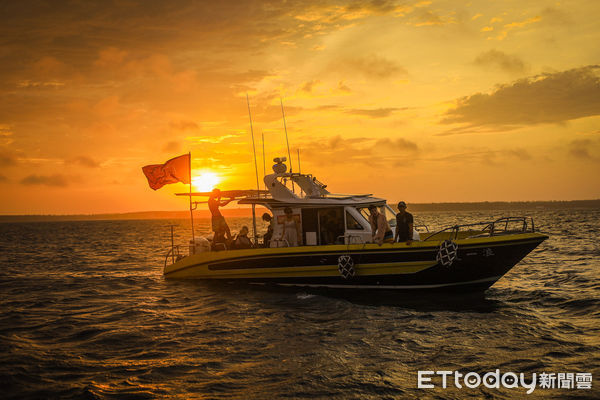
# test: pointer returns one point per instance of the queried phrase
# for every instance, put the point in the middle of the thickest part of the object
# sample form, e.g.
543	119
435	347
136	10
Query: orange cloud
546	98
506	62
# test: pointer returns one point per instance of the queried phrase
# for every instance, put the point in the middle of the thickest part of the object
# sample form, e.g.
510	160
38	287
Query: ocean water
85	313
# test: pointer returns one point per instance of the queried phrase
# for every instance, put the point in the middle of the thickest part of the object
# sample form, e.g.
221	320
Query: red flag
175	170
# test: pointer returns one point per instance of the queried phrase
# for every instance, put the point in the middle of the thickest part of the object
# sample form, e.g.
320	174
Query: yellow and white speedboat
338	252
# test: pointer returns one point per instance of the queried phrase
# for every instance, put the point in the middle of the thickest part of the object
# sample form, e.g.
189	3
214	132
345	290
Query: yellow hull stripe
202	271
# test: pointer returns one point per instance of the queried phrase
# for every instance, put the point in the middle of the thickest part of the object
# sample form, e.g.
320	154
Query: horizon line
239	210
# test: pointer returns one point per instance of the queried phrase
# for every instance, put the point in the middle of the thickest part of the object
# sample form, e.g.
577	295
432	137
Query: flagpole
191	212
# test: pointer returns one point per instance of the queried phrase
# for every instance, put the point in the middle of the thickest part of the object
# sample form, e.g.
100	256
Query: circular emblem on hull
447	253
346	266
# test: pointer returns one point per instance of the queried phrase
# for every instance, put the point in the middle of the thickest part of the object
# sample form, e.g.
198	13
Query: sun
205	181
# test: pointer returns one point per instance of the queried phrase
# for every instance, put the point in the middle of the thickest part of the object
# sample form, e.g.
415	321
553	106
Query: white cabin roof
312	193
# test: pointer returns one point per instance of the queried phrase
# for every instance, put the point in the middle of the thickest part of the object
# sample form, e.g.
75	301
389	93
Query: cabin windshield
390	216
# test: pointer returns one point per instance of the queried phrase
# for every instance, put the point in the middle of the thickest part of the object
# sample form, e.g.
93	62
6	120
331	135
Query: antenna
299	169
287	142
255	169
286	135
253	146
264	162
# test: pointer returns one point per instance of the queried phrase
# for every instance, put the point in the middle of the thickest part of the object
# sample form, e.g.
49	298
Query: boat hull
478	263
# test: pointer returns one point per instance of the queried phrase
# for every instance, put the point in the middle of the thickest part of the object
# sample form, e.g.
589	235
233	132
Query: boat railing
417	227
501	226
174	254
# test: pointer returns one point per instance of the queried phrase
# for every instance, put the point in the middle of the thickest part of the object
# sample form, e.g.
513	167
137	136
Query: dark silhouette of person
242	241
269	234
404	224
219	225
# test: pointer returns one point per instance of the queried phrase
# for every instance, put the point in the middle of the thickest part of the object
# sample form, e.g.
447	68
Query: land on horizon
246	212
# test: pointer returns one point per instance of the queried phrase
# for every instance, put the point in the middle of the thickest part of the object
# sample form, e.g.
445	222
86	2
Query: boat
341	254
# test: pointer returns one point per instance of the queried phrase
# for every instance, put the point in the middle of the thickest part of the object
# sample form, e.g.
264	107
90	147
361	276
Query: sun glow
205	181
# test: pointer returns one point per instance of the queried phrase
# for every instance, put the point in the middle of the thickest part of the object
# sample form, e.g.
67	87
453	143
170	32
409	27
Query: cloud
84	161
184	125
505	62
515	25
3	178
519	153
398	144
374	153
498	157
554	16
342	88
211	139
56	180
171	146
584	149
426	17
7	159
546	98
374	66
309	86
373	113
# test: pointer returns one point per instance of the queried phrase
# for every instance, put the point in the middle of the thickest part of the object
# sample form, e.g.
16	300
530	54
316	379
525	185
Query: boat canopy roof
312	193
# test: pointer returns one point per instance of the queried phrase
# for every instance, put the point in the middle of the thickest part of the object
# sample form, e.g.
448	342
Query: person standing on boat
219	225
380	229
269	234
404	224
291	229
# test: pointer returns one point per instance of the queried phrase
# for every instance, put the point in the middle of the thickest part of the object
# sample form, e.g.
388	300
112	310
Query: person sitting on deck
380	229
242	241
219	225
269	234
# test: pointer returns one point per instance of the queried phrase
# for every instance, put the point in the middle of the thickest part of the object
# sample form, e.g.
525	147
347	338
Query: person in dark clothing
242	241
219	226
269	234
404	224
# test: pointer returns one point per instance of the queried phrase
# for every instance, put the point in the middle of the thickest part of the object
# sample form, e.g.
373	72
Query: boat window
331	225
352	223
364	212
386	210
389	215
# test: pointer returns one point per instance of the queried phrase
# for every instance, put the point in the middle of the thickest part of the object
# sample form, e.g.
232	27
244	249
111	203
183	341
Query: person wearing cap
404	224
380	229
219	225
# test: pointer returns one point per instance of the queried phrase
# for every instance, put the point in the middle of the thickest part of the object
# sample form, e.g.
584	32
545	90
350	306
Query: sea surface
85	313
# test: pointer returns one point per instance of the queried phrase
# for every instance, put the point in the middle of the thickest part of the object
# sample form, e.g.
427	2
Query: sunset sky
424	101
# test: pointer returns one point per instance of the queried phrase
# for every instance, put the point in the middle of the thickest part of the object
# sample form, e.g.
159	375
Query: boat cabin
324	218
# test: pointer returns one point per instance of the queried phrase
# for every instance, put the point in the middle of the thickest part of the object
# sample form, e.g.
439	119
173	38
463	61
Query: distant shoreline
246	212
